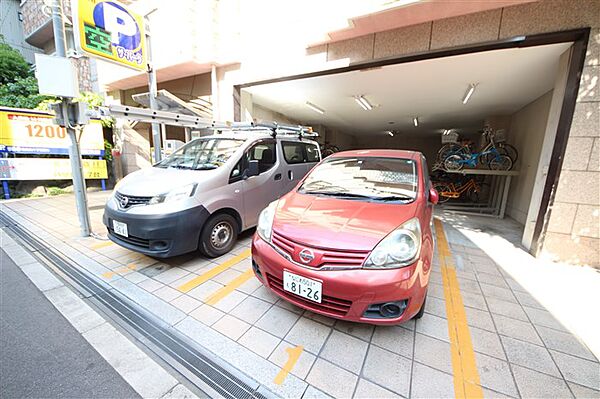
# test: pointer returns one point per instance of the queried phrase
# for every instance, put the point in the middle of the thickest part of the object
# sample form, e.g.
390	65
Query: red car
353	240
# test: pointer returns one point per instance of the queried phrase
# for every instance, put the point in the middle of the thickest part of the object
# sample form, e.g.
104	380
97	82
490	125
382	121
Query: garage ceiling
432	90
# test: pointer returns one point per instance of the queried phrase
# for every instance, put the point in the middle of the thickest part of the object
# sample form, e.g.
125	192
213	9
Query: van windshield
202	154
368	178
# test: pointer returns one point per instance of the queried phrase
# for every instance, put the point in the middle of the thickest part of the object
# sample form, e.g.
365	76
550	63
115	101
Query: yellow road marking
466	375
193	283
102	245
111	274
293	356
228	289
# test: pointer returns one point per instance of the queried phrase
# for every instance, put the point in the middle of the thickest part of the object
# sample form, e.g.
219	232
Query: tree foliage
18	85
12	64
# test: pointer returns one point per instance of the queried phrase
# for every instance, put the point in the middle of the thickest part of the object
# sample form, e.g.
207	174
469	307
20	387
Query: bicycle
450	190
493	158
328	149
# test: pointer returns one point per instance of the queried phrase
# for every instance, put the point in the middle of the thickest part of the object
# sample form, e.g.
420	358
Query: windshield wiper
337	194
394	198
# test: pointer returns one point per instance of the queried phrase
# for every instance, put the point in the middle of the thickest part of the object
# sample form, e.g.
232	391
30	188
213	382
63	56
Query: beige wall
428	145
526	133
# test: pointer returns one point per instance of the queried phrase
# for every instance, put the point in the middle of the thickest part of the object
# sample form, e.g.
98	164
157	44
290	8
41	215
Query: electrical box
56	76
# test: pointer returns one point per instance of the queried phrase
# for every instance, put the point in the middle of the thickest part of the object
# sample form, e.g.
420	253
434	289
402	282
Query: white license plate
302	286
120	228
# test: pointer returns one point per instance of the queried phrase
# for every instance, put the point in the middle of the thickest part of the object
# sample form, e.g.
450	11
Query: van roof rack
275	128
195	122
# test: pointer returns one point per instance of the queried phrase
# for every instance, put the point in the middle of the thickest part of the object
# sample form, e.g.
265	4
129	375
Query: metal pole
156	136
74	151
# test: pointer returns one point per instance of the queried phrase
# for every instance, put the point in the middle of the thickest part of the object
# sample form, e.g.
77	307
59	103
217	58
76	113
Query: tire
501	162
422	310
450	149
440	188
510	151
218	235
453	163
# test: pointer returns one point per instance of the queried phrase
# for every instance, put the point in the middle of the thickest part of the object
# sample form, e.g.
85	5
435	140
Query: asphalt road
41	354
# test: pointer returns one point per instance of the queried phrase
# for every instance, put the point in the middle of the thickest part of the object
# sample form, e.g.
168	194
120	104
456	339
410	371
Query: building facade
232	44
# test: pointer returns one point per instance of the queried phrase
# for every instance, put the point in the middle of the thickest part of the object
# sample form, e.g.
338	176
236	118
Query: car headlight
265	221
176	194
398	249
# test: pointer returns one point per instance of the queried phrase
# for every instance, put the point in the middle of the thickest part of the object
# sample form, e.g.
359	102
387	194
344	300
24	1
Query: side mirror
434	197
253	168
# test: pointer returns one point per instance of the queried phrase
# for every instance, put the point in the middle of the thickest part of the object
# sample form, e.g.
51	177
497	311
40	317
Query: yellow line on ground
193	283
464	367
102	245
111	274
293	356
229	288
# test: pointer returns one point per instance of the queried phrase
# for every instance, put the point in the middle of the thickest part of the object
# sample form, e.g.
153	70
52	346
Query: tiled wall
574	227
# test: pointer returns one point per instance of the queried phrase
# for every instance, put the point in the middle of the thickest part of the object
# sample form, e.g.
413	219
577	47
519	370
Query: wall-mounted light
314	108
363	102
416	121
390	133
469	93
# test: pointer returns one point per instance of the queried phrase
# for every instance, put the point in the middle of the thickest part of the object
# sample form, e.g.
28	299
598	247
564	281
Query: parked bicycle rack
496	204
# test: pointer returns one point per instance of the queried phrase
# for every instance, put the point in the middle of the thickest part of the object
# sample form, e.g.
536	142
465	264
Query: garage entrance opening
486	121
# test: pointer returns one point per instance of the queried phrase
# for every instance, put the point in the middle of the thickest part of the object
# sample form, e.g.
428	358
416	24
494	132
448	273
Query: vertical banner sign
108	30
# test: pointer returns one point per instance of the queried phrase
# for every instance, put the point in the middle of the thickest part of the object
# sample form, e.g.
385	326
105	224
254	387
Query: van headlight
265	221
398	249
176	194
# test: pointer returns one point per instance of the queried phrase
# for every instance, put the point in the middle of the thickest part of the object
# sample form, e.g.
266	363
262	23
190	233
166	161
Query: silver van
207	192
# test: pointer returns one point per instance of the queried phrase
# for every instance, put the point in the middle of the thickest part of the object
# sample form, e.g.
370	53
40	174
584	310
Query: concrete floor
530	327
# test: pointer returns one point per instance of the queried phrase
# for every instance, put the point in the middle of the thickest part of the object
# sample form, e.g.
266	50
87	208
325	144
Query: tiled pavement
520	348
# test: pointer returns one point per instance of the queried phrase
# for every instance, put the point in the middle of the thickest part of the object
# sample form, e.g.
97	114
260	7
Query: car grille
336	306
131	240
130	200
327	257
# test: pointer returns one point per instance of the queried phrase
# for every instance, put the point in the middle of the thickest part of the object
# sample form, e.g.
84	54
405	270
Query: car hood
334	223
153	181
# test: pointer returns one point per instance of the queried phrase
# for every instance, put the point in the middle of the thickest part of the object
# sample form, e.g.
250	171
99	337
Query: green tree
12	64
18	85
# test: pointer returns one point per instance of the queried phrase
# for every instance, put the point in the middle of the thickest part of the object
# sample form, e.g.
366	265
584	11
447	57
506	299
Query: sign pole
152	86
74	150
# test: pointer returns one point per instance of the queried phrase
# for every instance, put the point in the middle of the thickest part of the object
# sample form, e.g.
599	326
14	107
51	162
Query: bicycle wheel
509	150
501	162
453	163
442	189
449	149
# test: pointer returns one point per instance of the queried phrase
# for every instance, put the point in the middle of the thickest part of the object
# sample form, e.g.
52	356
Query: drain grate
193	362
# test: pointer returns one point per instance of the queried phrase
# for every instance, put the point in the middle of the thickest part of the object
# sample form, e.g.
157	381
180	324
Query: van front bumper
346	294
161	235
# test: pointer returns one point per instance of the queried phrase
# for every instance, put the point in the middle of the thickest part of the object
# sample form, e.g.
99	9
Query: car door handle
291	175
278	176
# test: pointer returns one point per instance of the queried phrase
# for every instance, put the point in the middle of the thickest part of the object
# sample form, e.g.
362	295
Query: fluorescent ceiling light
390	133
416	121
314	107
469	93
364	104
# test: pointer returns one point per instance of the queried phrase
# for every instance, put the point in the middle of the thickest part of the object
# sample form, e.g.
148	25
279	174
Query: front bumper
161	235
346	293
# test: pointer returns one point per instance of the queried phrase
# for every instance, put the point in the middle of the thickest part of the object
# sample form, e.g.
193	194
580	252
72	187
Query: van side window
293	152
264	153
298	152
312	152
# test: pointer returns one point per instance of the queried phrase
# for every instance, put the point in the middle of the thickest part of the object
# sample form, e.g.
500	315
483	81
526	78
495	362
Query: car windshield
202	154
368	178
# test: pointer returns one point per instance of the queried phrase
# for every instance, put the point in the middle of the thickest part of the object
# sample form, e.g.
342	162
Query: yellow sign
49	169
34	133
107	29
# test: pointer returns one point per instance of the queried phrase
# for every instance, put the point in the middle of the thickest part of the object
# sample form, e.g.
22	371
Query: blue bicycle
494	160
